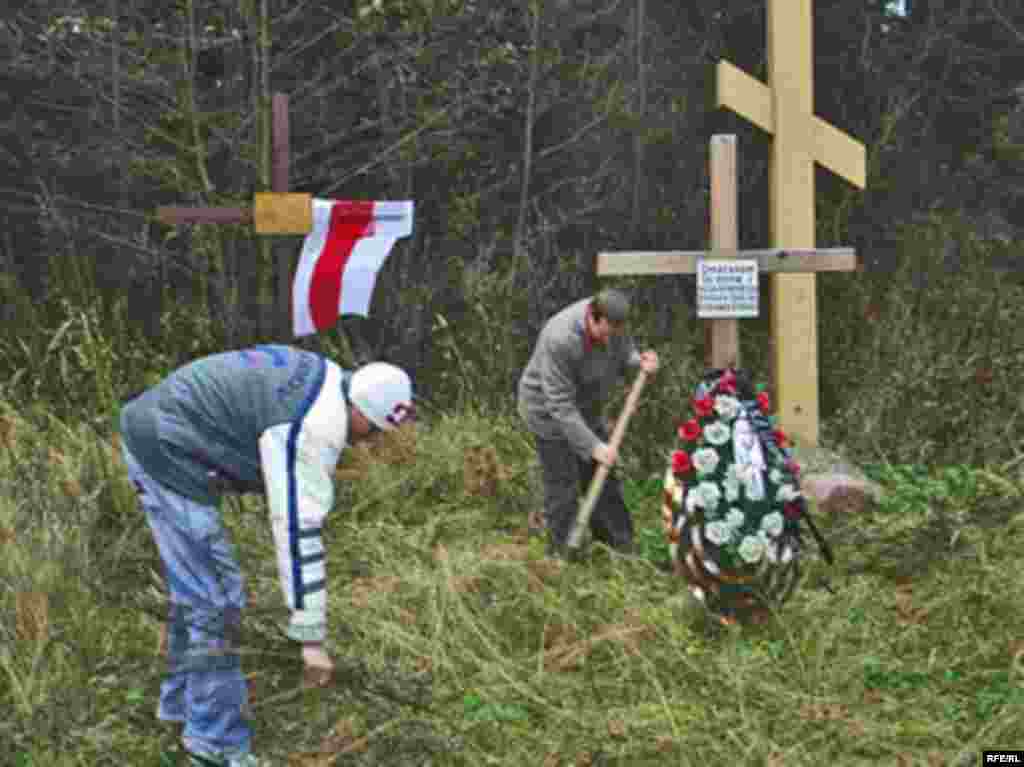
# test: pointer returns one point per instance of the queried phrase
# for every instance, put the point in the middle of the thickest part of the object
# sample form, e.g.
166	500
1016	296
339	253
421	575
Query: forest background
531	136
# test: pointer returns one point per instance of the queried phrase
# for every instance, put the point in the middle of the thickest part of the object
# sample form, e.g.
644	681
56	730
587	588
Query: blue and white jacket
270	418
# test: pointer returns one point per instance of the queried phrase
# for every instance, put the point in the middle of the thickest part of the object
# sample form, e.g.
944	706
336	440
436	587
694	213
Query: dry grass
458	643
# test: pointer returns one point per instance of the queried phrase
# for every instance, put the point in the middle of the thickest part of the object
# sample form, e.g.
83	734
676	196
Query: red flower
680	462
763	402
793	467
704	406
690	430
780	438
727	387
792	510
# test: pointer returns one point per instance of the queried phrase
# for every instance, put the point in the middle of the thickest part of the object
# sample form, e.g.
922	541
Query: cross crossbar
776	260
275	212
173	214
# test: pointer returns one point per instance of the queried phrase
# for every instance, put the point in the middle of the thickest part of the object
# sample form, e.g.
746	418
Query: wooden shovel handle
597	483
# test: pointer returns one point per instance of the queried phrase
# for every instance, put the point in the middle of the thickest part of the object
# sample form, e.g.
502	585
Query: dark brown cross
274	212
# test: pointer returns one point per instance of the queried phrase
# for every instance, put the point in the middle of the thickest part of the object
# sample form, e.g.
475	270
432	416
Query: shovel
597	483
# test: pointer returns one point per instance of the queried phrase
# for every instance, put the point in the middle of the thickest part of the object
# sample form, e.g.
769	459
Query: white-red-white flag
341	257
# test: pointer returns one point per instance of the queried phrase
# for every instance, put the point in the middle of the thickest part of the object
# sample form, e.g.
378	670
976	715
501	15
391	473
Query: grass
458	643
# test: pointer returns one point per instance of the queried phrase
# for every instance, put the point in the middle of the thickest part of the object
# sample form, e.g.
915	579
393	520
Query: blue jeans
204	687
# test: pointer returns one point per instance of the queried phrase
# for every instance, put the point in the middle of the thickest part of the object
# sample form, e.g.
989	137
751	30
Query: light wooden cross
783	108
722	335
274	212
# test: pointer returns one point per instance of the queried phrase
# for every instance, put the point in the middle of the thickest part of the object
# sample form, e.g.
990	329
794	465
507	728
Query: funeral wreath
732	503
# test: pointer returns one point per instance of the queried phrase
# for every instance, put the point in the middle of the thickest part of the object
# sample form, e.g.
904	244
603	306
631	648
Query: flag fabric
341	257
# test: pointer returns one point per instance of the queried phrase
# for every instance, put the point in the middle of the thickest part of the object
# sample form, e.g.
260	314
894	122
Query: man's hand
649	362
319	666
605	454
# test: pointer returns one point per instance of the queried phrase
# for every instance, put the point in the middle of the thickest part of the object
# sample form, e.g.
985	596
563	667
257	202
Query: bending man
272	419
581	354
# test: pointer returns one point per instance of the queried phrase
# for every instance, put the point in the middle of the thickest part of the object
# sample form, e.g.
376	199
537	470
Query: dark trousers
566	476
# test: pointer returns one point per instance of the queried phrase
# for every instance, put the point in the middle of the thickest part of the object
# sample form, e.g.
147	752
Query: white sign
726	288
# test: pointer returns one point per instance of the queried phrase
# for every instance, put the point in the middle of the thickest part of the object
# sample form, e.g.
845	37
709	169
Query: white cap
383	393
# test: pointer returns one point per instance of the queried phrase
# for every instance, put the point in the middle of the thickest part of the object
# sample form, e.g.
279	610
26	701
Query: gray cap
615	304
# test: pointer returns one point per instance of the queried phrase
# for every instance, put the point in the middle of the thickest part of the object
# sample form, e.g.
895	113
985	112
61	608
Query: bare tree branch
1001	18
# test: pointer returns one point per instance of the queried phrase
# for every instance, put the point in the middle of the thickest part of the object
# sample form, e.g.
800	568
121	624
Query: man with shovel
580	355
270	419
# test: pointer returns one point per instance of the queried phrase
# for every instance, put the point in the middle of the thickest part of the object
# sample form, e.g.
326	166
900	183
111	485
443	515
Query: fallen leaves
905	608
565	652
71	488
390	448
462	584
873	697
824	712
32	616
507	552
617	728
483	473
539	572
7	430
364	589
341	740
424	664
833	712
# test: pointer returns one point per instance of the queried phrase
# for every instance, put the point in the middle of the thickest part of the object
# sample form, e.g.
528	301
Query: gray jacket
270	418
565	384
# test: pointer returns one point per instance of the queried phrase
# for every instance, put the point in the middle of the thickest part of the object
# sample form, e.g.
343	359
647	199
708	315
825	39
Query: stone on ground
835	484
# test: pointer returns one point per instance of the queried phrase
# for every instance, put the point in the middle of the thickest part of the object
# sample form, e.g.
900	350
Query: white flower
776	477
727	407
708	495
735	518
692	501
772	524
717	433
718	533
771	551
786	494
705	460
732	488
786	555
751	549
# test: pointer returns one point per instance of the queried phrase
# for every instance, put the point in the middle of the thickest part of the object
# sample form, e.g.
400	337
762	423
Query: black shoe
555	550
627	550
